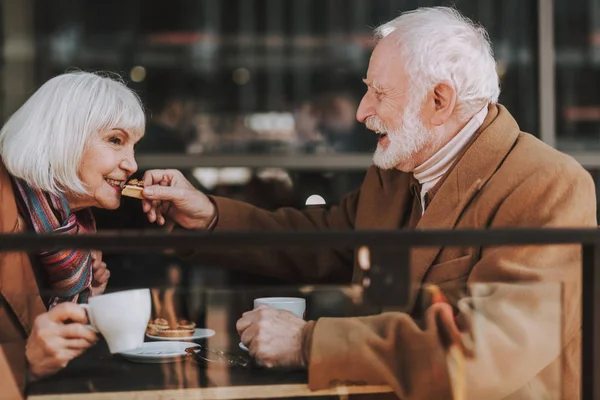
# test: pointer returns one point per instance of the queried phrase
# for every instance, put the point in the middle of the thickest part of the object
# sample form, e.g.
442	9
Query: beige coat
20	301
506	178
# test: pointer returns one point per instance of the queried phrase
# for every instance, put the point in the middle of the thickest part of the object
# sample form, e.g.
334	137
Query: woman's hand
100	274
168	194
57	337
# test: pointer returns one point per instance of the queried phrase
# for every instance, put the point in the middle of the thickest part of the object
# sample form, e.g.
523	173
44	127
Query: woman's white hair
439	45
44	140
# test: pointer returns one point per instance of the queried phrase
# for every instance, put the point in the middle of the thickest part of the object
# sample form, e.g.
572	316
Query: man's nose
365	108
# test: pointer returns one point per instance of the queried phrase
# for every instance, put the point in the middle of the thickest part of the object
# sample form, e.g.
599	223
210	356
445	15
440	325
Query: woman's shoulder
8	207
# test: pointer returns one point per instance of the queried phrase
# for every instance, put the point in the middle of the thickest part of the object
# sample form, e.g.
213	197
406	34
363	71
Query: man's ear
444	102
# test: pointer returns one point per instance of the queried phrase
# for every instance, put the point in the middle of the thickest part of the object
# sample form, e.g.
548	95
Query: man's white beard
404	142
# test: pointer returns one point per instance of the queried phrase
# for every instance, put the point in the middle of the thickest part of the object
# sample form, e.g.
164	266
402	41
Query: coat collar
495	139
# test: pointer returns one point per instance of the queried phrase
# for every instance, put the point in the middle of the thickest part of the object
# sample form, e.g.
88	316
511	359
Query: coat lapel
395	189
388	197
478	164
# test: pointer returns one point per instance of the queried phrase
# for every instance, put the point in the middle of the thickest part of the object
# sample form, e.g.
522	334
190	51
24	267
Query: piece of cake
179	333
185	324
161	323
133	188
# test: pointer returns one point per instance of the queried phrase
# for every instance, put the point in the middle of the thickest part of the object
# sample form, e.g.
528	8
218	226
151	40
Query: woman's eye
116	140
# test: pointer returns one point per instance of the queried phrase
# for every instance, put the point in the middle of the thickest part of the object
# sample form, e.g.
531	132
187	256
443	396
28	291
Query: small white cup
295	305
121	317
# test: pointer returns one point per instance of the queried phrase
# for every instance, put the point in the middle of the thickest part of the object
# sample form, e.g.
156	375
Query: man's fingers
151	215
249	317
146	205
249	334
441	316
256	309
68	311
243	323
155	176
160	206
164	193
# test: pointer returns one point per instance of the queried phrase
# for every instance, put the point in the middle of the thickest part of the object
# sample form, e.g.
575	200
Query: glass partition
477	340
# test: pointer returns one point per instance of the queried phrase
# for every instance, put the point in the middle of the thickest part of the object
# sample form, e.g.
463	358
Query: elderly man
448	157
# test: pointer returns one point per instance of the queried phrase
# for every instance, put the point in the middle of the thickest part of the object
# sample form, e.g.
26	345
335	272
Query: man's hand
273	337
100	274
168	194
57	337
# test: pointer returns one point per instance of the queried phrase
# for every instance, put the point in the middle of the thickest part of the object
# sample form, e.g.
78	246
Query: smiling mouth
382	135
379	133
115	183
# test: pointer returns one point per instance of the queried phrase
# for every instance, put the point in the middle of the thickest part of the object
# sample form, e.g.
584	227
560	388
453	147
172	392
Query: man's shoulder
382	178
532	156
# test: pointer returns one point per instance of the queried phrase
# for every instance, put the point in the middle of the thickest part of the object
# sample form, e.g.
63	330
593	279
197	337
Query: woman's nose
129	164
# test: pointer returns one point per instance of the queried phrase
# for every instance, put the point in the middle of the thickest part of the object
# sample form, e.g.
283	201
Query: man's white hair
44	140
438	44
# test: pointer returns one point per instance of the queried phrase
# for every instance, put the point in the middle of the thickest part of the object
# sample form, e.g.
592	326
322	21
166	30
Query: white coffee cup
295	305
121	317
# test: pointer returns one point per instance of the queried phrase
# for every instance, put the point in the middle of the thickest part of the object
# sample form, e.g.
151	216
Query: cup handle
90	326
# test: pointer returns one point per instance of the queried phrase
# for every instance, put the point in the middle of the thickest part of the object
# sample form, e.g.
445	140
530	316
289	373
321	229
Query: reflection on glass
260	76
577	37
492	320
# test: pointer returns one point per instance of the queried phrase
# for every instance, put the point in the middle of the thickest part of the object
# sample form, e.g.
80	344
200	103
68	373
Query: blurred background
255	99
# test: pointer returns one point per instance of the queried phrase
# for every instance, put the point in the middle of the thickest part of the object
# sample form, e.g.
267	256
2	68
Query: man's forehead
385	66
384	78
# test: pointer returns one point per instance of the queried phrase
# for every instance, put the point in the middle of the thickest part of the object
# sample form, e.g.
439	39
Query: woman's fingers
101	277
78	332
78	344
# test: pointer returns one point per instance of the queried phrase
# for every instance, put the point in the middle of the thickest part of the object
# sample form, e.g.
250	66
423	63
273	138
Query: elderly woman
68	148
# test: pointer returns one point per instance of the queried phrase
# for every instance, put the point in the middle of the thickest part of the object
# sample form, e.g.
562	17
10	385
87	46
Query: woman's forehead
133	133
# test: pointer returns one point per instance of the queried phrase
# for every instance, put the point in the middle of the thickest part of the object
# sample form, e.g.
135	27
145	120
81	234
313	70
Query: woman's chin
109	204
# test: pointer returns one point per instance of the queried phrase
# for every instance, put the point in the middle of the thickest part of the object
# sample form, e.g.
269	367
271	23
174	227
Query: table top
99	375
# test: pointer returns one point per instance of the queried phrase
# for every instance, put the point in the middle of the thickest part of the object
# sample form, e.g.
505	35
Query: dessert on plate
185	324
175	332
161	327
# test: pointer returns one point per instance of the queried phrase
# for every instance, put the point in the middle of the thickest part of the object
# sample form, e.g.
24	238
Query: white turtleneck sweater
431	171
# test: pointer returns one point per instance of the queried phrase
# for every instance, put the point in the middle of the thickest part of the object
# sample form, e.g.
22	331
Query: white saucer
158	352
199	333
243	347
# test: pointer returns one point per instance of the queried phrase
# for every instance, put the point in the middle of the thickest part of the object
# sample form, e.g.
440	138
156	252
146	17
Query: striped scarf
68	272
